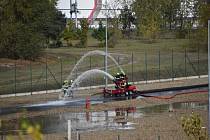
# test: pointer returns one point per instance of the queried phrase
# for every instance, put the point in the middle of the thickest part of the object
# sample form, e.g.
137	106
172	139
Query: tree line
152	16
26	27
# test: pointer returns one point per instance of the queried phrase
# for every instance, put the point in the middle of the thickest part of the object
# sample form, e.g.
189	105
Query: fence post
61	70
118	137
185	62
31	78
159	65
90	69
78	135
69	129
132	65
198	62
15	78
118	60
158	137
172	64
145	58
46	74
76	68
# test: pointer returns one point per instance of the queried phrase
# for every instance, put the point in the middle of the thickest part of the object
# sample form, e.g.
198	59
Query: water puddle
118	119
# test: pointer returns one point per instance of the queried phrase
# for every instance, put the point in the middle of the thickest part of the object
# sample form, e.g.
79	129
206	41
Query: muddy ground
160	126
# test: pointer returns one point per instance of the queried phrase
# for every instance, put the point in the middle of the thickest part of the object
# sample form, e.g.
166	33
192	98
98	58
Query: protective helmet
66	81
118	73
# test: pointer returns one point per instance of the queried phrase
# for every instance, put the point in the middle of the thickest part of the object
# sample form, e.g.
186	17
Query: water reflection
92	121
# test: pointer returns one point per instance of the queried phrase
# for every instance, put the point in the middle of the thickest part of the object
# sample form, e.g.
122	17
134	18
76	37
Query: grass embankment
60	62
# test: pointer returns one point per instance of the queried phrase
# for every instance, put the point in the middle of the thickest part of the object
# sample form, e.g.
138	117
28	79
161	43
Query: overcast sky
86	4
82	4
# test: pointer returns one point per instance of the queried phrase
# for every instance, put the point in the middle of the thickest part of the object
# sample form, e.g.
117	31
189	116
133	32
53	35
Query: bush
192	126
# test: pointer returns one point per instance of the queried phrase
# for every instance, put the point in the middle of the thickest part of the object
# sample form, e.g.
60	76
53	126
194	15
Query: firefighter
117	77
117	80
65	84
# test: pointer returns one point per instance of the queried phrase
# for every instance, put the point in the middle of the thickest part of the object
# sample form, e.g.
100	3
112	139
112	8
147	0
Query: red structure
95	11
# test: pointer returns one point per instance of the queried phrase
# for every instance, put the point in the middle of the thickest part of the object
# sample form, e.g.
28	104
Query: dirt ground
160	126
157	126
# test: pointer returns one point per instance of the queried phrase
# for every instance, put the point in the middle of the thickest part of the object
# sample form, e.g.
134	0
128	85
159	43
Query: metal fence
147	65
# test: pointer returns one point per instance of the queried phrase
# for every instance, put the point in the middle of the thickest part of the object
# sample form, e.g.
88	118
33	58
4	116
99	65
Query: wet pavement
75	102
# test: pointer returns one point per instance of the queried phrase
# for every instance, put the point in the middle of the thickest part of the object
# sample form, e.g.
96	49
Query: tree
26	27
100	33
200	37
115	33
126	19
148	17
169	10
84	32
69	33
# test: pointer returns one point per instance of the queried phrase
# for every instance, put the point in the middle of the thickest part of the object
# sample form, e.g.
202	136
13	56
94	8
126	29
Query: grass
122	52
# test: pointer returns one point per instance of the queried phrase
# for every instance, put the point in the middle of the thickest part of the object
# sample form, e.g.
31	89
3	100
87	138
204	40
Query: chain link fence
139	66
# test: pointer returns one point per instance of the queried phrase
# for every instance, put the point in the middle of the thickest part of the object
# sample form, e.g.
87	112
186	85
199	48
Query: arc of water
86	75
96	52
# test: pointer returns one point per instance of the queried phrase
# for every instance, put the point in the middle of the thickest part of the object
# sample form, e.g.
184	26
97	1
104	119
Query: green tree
115	33
84	32
200	36
100	33
26	27
69	33
169	10
126	19
148	16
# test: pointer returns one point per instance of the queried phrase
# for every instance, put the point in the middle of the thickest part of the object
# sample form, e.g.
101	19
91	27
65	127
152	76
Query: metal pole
132	65
209	70
106	43
76	14
15	78
118	60
145	60
90	69
159	65
198	62
46	74
70	9
69	129
31	77
185	62
172	64
76	68
61	71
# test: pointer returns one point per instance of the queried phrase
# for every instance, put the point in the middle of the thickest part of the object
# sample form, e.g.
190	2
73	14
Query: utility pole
106	41
209	70
76	22
71	9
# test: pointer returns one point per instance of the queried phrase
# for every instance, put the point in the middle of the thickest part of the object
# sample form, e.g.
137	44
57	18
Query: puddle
105	120
79	102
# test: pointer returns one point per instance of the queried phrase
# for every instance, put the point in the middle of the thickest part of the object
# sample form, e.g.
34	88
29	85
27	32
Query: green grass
122	52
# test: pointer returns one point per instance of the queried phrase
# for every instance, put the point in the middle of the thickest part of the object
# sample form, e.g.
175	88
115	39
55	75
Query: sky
82	4
85	4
